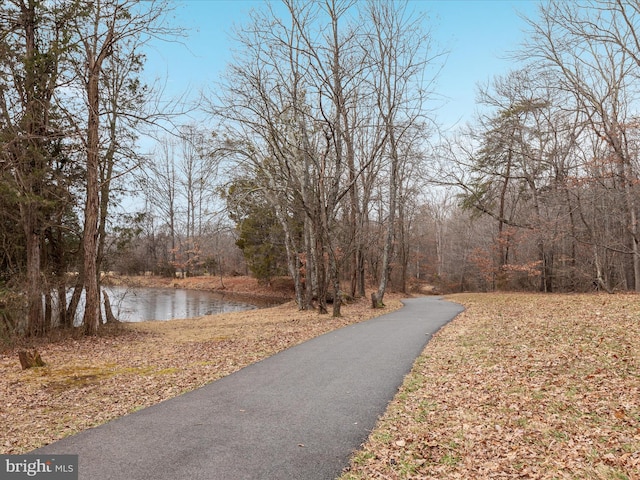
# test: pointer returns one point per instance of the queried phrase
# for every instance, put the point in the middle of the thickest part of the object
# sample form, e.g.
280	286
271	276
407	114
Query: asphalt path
299	414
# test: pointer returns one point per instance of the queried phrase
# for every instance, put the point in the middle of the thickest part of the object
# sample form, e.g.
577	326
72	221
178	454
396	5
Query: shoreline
88	381
242	288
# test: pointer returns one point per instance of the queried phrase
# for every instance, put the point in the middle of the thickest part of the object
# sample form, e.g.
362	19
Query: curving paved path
297	415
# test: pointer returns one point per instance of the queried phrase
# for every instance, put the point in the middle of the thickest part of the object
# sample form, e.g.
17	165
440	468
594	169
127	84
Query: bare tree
591	50
293	149
159	178
399	53
197	166
104	27
317	107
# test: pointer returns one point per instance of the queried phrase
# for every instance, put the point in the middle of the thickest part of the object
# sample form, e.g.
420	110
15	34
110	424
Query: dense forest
320	157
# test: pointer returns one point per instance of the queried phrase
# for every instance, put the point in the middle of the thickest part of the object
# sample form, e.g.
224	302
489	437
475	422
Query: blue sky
478	34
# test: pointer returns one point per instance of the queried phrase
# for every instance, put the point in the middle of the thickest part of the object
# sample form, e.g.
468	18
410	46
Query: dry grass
518	386
88	381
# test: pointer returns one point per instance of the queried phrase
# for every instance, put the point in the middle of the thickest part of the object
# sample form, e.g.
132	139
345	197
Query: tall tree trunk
310	265
633	229
353	223
321	274
504	248
292	259
387	252
31	162
572	235
544	257
91	317
403	243
337	293
63	320
364	232
35	313
106	174
95	56
72	309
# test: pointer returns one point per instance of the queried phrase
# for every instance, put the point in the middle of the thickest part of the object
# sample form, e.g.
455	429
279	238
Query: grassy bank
518	386
89	381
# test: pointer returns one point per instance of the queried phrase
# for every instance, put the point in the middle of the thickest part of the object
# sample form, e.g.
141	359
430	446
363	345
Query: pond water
140	304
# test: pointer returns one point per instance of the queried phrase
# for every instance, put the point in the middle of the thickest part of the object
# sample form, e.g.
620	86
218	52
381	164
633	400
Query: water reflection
140	304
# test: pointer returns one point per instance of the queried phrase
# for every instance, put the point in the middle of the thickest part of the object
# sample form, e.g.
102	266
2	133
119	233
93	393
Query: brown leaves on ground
518	386
88	381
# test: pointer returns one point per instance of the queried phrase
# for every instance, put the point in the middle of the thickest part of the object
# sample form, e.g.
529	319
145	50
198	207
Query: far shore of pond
239	288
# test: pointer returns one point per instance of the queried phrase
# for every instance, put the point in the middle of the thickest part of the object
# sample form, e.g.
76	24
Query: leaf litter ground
518	386
89	381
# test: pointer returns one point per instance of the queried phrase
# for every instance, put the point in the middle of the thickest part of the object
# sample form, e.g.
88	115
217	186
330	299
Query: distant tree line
551	169
325	116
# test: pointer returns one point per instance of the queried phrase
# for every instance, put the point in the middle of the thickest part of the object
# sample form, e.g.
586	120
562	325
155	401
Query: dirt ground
89	381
